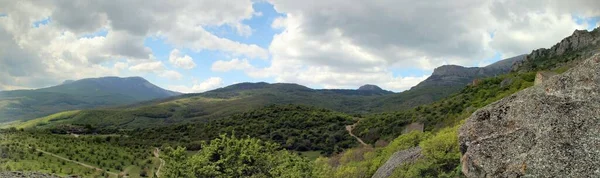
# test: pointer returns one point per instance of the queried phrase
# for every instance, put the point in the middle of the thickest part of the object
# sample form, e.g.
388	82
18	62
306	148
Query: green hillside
295	127
86	156
74	95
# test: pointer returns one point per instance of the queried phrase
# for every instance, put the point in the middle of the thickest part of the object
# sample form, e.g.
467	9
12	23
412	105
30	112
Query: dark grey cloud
19	66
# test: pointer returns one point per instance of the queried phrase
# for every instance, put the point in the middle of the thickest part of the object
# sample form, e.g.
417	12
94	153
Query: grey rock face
398	159
549	130
579	40
453	75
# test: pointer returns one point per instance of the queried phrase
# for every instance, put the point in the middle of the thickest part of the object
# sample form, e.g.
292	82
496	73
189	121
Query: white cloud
54	52
120	65
172	75
197	87
234	64
184	62
242	65
323	43
149	67
346	43
197	38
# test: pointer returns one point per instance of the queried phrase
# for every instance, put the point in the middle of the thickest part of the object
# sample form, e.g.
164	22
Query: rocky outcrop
415	126
542	76
549	130
369	87
459	76
398	159
580	41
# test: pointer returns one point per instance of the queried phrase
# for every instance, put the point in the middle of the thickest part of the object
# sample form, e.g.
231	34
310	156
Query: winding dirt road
162	162
349	129
76	162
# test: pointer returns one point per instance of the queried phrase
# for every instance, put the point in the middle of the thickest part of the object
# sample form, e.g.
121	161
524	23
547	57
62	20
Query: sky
199	45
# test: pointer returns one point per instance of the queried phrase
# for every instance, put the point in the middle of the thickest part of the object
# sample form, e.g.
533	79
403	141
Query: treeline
229	156
294	127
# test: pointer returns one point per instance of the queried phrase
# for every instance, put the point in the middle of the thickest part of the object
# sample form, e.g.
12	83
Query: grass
311	155
21	148
54	118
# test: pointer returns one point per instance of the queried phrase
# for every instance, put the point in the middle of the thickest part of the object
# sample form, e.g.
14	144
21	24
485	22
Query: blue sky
262	34
320	44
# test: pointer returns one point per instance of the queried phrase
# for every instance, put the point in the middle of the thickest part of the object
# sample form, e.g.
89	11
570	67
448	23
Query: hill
80	94
244	97
444	81
216	104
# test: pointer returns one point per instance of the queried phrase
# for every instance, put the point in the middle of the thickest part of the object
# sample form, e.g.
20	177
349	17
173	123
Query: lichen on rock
549	130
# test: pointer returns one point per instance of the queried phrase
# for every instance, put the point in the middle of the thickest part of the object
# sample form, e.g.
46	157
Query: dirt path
162	162
76	162
349	129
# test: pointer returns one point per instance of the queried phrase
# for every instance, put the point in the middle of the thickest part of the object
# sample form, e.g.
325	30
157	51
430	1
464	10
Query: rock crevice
549	130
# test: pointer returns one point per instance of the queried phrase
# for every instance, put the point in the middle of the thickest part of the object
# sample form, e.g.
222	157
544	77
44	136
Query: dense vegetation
246	97
294	127
62	155
233	157
439	157
446	112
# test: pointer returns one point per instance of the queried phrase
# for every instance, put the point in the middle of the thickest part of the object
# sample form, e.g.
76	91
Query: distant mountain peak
370	87
453	70
68	81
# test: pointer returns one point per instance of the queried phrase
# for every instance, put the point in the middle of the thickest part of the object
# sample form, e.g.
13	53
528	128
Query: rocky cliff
580	45
549	130
459	76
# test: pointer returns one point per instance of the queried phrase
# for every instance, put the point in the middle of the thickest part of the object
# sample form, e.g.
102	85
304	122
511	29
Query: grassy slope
20	152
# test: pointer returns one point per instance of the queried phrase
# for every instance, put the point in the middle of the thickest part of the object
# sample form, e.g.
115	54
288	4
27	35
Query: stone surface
542	76
415	126
548	130
398	159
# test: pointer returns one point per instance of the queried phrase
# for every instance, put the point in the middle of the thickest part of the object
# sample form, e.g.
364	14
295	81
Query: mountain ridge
80	94
566	53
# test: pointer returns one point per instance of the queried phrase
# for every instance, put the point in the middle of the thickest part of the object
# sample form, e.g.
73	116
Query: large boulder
398	159
549	130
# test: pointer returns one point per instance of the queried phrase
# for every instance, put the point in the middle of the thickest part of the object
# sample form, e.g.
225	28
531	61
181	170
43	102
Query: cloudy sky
197	45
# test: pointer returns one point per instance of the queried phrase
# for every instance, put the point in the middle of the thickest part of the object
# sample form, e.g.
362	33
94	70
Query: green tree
232	157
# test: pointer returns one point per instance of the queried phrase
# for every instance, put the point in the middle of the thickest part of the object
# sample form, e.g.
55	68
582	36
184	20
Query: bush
232	157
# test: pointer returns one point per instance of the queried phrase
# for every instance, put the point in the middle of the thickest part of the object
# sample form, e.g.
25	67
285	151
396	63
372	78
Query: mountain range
168	108
80	94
